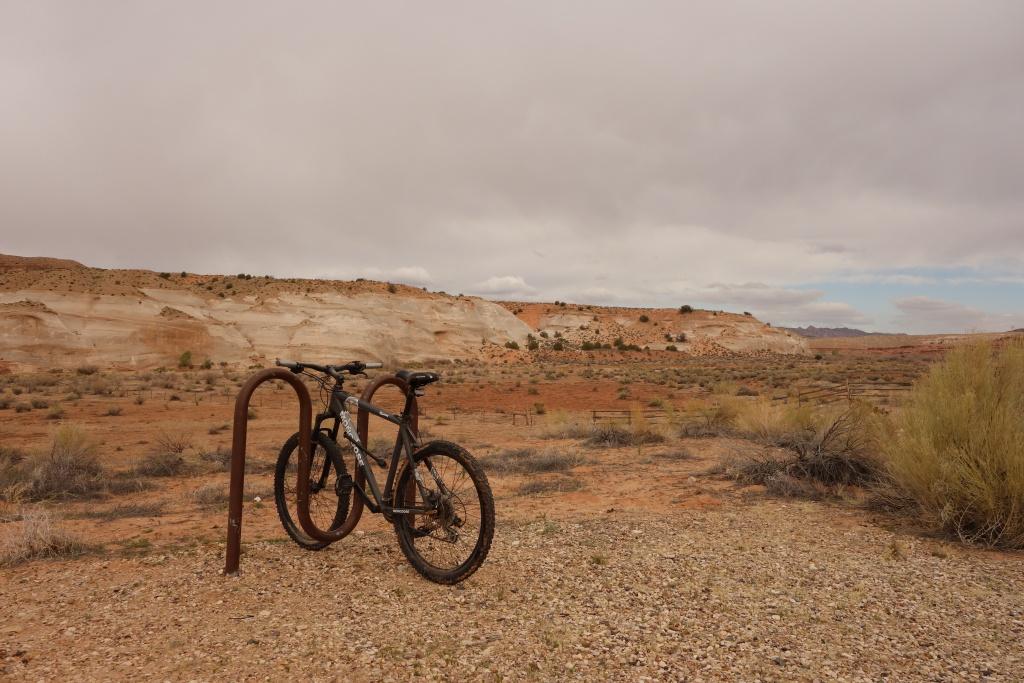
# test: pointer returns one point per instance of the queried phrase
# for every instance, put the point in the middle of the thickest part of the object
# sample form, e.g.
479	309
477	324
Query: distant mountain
812	332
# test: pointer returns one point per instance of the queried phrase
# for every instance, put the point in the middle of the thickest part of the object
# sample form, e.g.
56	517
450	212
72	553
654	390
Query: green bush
185	359
956	449
686	308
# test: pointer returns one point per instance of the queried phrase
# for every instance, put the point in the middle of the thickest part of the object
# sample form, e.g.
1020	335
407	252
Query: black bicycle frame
381	501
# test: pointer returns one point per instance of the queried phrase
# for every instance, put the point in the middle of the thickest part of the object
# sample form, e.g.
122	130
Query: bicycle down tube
405	441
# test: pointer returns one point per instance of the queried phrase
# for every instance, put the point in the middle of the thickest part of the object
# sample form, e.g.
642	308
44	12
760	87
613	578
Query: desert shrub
686	308
644	319
842	450
560	484
531	461
714	419
614	436
512	345
820	452
167	459
744	390
773	423
37	536
671	347
160	464
114	411
68	468
210	495
40	403
123	483
559	426
55	413
749	469
87	370
185	359
97	386
5	403
219	457
956	449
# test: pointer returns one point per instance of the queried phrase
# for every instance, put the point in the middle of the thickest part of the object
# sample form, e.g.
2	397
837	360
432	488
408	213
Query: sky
829	163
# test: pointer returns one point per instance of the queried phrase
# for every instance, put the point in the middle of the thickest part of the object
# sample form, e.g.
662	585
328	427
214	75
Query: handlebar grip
373	365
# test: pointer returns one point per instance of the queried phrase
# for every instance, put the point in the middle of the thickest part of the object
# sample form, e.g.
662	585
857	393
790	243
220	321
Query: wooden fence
873	393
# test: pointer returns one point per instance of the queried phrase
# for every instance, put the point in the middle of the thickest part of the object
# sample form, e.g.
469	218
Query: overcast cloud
812	162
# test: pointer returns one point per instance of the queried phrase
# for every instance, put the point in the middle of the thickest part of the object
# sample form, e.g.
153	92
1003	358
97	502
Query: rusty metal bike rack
238	447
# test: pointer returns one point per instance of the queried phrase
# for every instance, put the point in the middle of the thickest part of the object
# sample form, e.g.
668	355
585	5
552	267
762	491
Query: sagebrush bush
956	449
68	468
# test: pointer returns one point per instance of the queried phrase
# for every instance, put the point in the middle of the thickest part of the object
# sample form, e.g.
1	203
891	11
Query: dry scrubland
715	529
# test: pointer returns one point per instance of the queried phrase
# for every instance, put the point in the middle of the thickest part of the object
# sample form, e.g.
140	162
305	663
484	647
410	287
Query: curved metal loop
238	447
239	433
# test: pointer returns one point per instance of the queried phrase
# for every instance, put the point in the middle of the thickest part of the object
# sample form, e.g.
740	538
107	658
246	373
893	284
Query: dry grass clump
69	468
614	436
561	427
126	511
210	495
37	535
167	460
841	450
773	423
716	419
219	458
955	452
560	484
531	461
821	452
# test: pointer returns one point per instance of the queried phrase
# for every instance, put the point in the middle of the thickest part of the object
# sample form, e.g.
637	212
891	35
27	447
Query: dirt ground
646	568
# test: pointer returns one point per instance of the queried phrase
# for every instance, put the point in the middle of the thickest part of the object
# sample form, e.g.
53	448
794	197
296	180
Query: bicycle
444	527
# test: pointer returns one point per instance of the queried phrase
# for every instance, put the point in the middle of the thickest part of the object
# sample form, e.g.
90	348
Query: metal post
241	423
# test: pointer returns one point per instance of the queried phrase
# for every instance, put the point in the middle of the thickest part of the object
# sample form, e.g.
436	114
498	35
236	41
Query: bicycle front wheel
329	490
450	543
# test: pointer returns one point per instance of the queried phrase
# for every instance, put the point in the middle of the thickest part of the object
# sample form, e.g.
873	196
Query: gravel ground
757	591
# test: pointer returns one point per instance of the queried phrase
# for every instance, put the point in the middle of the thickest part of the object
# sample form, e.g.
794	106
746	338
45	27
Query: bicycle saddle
417	379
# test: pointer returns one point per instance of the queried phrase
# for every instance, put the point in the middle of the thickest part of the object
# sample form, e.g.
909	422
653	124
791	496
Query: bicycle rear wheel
329	490
449	544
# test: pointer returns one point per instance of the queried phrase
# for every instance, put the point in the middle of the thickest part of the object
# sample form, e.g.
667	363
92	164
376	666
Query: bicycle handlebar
354	368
